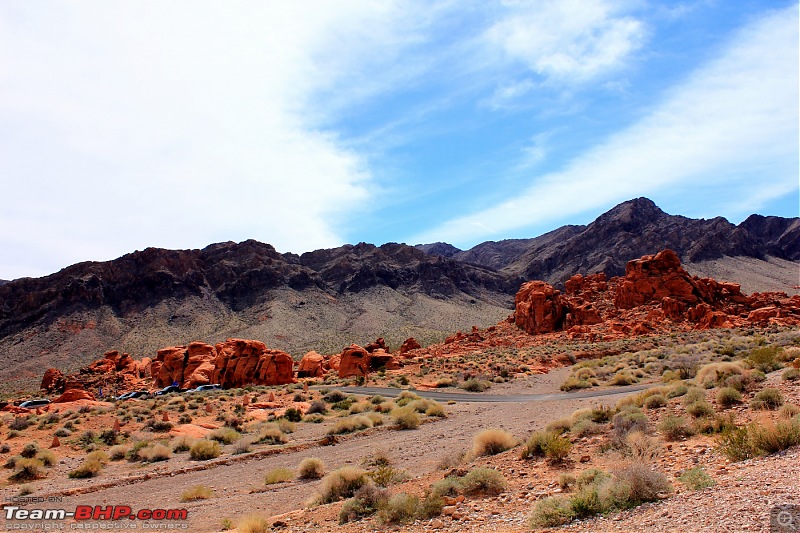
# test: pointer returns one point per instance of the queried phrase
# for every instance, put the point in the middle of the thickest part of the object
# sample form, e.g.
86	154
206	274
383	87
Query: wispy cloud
735	116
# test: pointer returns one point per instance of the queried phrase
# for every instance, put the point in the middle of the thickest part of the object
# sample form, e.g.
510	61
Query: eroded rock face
379	344
354	361
408	345
654	277
53	380
241	362
538	308
312	365
189	366
74	391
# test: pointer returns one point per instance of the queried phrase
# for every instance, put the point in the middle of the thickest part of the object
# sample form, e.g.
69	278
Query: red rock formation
380	359
379	344
538	308
312	365
53	380
188	366
74	391
654	277
408	345
242	362
355	361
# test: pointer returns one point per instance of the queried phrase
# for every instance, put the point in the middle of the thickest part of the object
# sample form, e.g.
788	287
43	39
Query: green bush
492	442
791	374
350	424
483	480
765	358
655	401
224	435
475	385
399	509
551	512
89	468
27	469
767	398
728	396
405	418
278	475
365	502
697	479
700	409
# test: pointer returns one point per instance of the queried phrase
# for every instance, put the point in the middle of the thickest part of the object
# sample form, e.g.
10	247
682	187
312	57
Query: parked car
206	388
168	390
33	404
134	394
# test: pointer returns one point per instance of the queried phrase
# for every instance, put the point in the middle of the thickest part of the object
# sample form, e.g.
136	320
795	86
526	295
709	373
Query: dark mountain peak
631	214
438	248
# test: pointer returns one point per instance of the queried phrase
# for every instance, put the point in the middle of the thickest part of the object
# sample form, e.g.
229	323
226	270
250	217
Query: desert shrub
20	423
155	453
278	475
224	435
566	481
271	434
318	407
293	414
63	432
626	421
448	486
645	484
475	385
791	374
765	358
341	483
203	450
87	438
728	396
694	394
551	512
772	437
677	390
788	410
350	424
182	444
311	468
700	409
159	426
314	418
29	450
89	468
546	444
623	377
334	396
253	524
736	444
483	480
674	428
118	452
430	506
47	457
697	479
642	447
399	509
27	469
405	418
365	502
436	410
492	442
198	492
562	425
584	428
767	398
714	374
655	401
98	455
574	383
377	399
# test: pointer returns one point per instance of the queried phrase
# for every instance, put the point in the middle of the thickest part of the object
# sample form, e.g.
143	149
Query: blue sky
312	124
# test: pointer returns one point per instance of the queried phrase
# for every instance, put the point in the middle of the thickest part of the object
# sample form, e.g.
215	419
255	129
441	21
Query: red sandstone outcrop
354	361
53	380
408	345
189	366
379	344
74	391
538	308
241	362
312	365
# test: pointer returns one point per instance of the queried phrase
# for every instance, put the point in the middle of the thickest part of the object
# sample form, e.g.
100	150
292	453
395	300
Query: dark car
33	404
168	390
206	388
134	394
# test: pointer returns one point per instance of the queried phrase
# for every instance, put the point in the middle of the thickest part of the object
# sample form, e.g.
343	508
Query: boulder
241	362
379	344
74	391
408	345
53	380
312	365
355	361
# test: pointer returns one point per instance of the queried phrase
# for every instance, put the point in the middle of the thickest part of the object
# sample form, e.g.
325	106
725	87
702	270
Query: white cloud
732	119
567	40
177	124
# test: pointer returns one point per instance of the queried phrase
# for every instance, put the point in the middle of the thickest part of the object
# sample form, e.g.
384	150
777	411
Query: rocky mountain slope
327	299
633	229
